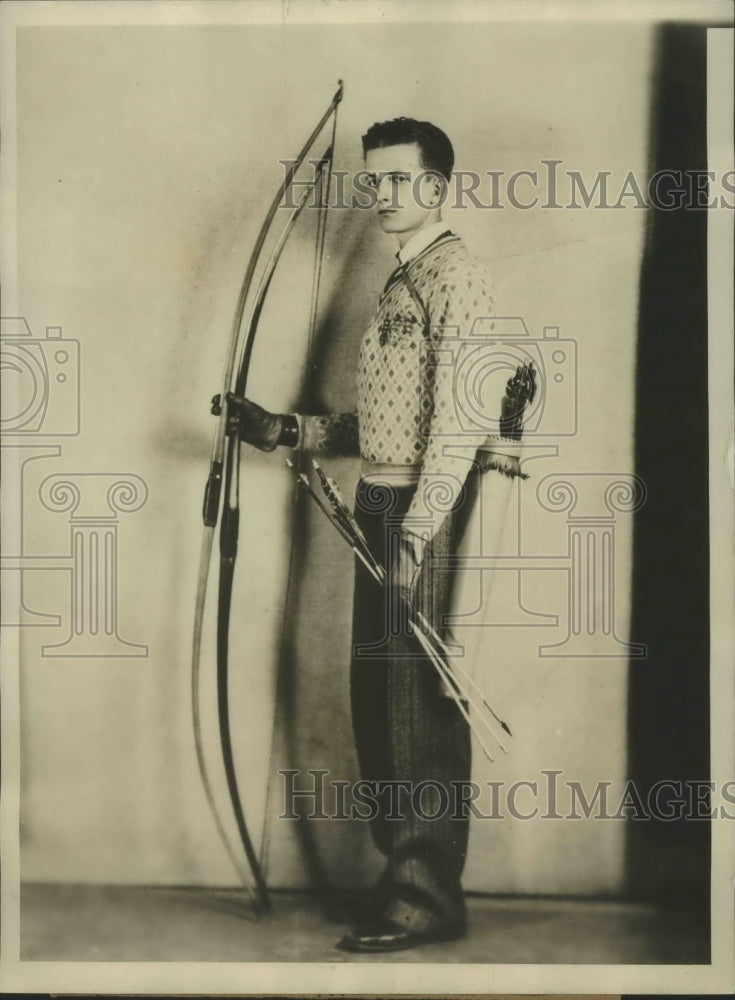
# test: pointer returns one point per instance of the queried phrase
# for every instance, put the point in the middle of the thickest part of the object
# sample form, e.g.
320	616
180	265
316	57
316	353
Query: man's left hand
406	566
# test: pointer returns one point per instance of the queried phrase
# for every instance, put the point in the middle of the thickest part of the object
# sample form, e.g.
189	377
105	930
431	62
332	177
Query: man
410	503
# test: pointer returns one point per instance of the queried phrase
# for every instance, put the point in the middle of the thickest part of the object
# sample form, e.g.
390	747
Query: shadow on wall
668	716
313	728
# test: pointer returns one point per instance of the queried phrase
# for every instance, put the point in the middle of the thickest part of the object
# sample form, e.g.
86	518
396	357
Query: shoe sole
355	948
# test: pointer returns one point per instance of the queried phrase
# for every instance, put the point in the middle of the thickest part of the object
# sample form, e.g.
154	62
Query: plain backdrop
147	157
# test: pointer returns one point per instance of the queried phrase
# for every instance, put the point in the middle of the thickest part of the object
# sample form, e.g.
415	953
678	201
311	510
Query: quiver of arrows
520	390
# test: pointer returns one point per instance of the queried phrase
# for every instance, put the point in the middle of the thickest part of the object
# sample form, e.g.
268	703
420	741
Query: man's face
407	197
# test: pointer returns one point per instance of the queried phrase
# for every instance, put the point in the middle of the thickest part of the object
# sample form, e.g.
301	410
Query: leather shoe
385	935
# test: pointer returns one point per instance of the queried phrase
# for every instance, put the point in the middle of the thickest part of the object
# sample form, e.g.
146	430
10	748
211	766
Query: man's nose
385	191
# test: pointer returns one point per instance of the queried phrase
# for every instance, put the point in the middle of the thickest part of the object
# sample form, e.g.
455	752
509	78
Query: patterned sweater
407	385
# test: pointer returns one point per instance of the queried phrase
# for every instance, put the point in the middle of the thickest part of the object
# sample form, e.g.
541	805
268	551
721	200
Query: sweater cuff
503	455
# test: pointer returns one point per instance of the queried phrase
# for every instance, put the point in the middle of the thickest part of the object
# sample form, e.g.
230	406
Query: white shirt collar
421	241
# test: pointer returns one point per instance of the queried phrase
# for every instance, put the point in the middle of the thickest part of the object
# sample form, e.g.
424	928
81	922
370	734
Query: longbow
224	469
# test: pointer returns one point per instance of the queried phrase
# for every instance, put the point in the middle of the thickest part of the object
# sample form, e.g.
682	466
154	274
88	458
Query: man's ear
439	189
433	190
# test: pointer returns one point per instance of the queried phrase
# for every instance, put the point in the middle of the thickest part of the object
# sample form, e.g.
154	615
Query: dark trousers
405	729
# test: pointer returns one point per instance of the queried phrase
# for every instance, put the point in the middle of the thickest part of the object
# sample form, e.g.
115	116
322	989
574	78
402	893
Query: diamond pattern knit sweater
409	385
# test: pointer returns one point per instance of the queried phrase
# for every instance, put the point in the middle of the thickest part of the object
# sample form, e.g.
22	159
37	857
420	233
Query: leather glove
259	427
406	567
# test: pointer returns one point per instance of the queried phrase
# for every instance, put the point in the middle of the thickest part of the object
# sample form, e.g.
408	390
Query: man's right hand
258	427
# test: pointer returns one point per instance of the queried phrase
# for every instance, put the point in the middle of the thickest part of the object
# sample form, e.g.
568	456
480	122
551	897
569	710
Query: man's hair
436	149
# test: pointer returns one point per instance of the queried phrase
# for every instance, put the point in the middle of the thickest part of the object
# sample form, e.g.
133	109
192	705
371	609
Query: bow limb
204	561
228	554
243	369
228	538
212	492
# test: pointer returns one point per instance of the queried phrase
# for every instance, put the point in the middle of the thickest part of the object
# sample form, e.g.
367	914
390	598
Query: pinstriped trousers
405	729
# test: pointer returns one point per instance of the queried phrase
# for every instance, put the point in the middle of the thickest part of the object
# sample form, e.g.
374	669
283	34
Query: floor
119	924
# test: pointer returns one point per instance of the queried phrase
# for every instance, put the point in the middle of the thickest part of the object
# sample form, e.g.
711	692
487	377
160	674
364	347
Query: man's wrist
290	432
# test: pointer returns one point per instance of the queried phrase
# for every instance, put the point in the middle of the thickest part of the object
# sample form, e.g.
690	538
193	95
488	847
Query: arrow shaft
378	573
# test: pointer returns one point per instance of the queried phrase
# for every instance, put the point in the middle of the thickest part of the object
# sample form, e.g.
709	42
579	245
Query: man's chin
390	222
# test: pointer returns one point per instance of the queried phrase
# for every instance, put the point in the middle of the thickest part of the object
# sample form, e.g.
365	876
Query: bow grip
211	495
